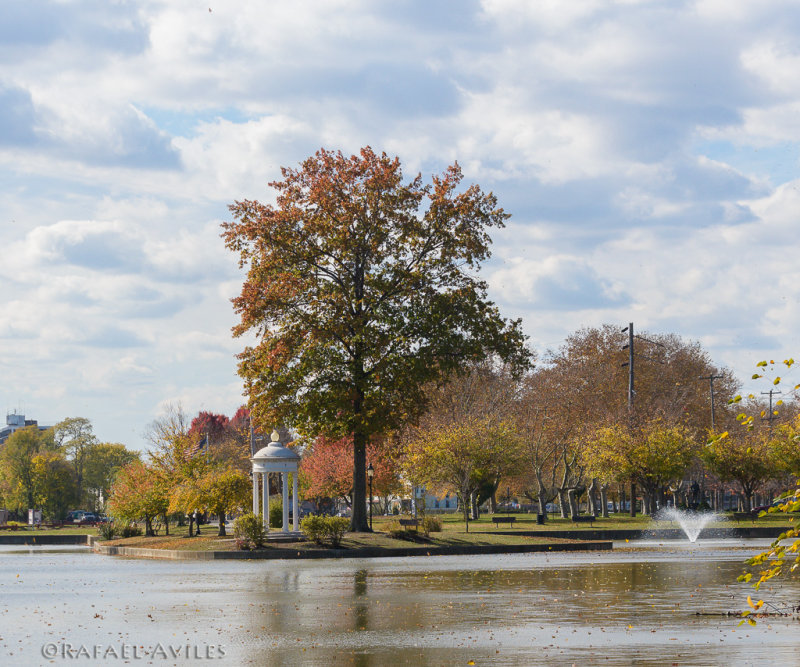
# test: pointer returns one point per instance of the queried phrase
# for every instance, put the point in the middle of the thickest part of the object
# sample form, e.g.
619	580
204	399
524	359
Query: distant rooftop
16	421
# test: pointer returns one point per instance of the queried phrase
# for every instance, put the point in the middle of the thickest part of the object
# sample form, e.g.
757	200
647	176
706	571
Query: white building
15	422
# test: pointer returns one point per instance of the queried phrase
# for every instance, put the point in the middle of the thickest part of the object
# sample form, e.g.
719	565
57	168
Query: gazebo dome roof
275	451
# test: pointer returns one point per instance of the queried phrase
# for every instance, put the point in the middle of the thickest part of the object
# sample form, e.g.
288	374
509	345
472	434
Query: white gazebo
276	458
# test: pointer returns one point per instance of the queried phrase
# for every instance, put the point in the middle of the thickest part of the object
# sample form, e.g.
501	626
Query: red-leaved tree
326	470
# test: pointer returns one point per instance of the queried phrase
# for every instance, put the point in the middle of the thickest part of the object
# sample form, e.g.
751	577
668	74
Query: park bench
503	519
742	516
584	519
408	523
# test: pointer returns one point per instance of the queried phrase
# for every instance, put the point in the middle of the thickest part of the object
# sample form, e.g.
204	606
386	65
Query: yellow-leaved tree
652	455
461	456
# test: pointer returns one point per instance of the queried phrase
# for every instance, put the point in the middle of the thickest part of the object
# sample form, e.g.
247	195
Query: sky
648	152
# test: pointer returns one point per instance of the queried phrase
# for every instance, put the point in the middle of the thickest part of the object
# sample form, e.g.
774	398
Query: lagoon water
636	605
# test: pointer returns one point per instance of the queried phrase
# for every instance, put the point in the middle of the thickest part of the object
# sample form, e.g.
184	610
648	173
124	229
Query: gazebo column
285	489
255	493
295	504
265	498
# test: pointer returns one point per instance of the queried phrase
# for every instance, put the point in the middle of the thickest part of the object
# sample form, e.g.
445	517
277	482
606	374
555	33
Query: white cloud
647	150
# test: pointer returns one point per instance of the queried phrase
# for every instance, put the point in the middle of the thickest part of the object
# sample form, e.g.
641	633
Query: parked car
775	503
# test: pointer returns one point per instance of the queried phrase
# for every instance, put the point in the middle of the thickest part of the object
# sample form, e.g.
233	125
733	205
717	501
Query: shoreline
589	539
365	552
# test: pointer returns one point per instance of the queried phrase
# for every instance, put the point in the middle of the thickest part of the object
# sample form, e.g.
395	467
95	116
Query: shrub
107	531
321	529
276	513
395	529
249	531
131	530
336	528
431	524
313	527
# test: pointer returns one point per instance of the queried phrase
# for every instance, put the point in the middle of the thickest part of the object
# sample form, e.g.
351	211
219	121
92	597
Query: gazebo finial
275	436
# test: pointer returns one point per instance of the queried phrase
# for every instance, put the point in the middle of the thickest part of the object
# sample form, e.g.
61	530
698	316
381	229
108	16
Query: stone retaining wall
399	552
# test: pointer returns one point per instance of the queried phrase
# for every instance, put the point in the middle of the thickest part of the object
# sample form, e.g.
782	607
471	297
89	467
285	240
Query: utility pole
629	364
711	379
770	416
631	394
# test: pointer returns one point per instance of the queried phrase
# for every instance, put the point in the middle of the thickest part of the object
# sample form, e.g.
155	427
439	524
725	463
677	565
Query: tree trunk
221	532
604	500
562	503
543	505
573	505
633	499
359	523
473	501
191	524
590	500
166	524
148	527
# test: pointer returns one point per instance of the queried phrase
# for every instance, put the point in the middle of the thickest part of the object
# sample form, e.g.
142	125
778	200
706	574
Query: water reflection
635	607
360	605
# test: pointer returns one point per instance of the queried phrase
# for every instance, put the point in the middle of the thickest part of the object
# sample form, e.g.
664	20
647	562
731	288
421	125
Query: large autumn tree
361	289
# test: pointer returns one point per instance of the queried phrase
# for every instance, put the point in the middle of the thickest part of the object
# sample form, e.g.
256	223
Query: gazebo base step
279	536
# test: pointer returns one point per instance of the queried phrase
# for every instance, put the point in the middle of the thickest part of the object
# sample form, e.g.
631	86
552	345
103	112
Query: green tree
101	465
17	467
74	435
361	289
54	487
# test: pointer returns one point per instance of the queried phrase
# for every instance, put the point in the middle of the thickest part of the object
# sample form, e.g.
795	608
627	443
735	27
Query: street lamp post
370	473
